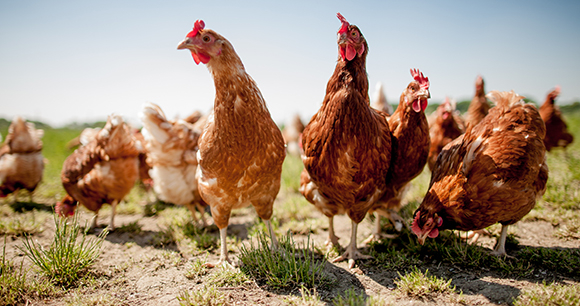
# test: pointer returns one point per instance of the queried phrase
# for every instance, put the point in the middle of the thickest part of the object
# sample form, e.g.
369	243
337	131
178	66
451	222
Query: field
154	256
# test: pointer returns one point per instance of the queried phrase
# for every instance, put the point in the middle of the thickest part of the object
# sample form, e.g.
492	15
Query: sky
65	61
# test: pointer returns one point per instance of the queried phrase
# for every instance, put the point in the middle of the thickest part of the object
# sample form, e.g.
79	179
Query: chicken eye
206	38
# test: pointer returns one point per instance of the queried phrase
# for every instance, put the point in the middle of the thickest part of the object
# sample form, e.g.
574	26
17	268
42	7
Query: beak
422	238
183	45
424	94
342	39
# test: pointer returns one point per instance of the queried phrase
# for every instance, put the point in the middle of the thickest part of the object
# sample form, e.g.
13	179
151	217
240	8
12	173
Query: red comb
197	26
418	76
345	23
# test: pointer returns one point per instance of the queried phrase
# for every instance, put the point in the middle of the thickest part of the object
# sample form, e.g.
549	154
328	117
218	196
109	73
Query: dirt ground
131	271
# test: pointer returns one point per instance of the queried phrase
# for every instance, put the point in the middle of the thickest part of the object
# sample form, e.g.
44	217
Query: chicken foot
352	253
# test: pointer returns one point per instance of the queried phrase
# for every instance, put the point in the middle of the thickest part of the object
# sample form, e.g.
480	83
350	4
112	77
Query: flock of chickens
489	168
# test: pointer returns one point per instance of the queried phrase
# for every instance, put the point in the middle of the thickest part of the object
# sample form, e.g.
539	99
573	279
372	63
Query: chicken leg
224	259
332	238
500	248
113	210
192	208
352	253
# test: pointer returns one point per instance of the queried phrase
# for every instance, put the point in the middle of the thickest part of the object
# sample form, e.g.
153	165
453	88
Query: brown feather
347	145
104	170
493	173
557	134
21	160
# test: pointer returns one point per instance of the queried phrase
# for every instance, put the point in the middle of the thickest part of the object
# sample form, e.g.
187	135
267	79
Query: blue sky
63	61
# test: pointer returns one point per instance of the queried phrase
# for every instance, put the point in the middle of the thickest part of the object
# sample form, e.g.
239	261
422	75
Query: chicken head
428	226
203	44
66	207
351	42
417	92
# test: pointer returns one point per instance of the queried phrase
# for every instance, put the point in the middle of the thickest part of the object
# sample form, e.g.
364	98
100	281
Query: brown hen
557	134
102	171
21	161
446	126
292	133
494	173
380	100
347	144
479	107
241	149
409	151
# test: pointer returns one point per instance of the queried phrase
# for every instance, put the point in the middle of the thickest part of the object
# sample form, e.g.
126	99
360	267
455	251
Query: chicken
102	171
84	138
172	149
347	144
479	107
241	149
380	100
494	173
292	133
410	149
557	134
446	126
21	160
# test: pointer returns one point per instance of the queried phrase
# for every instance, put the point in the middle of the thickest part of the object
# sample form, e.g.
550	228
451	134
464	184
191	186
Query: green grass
549	295
15	286
285	267
350	298
28	223
66	260
419	284
177	227
196	269
404	253
208	295
291	169
307	298
227	277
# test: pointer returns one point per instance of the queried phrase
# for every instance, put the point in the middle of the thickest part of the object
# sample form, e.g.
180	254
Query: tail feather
504	99
155	124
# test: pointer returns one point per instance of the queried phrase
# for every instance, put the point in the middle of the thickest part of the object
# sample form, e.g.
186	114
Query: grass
419	284
132	228
549	295
196	269
404	253
14	285
350	298
227	277
283	268
177	227
353	298
67	258
307	298
206	296
18	224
